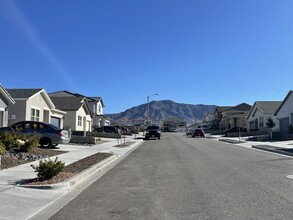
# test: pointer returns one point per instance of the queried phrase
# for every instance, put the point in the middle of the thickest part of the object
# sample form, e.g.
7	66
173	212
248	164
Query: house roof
242	107
22	93
6	95
223	108
283	102
267	107
29	93
98	99
68	103
71	103
66	93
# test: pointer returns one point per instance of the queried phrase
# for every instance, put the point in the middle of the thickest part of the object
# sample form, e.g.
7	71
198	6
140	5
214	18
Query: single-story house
284	114
235	117
259	114
79	116
5	101
95	104
34	105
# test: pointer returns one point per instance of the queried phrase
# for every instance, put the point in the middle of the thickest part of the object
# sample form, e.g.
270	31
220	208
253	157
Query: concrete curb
75	179
69	183
231	141
274	149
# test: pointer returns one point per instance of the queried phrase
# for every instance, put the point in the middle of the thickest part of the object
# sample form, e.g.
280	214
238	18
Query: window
291	118
261	122
35	114
79	121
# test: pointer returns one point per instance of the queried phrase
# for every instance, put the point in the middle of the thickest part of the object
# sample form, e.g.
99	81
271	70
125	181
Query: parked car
106	129
49	135
153	131
198	132
234	130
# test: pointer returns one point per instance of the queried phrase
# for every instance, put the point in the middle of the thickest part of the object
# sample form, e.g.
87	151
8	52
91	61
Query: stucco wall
4	114
70	120
285	111
258	115
37	102
18	111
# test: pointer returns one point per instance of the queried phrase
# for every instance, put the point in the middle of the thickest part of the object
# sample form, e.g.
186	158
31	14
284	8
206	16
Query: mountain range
162	110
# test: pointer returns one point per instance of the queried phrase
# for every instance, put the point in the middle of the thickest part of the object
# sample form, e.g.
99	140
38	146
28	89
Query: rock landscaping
14	157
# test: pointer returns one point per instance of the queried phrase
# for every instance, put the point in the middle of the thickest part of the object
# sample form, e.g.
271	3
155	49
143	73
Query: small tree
270	124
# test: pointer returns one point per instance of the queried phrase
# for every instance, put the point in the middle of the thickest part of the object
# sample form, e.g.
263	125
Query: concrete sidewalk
20	202
242	141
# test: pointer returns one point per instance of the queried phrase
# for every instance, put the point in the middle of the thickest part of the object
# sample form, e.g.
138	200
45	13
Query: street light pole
148	106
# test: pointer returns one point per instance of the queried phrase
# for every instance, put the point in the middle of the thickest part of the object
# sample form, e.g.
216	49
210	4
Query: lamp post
148	106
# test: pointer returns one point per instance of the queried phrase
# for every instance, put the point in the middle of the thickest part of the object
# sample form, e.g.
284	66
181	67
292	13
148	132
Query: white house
284	114
259	114
5	100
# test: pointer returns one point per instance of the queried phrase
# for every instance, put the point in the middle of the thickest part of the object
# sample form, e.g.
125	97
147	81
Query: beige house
33	105
79	116
5	100
95	104
235	117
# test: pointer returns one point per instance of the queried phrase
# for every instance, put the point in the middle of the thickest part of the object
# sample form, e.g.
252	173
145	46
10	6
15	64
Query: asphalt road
189	178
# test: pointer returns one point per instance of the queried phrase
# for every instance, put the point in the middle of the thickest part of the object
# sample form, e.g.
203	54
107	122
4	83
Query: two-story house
95	105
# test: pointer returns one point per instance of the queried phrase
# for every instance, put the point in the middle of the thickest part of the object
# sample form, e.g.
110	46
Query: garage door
55	121
284	126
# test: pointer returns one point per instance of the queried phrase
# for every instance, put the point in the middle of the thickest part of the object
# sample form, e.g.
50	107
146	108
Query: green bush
2	149
30	144
48	168
7	139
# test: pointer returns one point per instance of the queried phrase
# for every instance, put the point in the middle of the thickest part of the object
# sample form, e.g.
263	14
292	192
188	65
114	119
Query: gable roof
71	103
243	107
68	103
23	93
98	99
6	95
66	93
283	102
267	107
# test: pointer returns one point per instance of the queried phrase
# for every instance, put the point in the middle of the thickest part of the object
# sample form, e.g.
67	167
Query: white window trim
35	108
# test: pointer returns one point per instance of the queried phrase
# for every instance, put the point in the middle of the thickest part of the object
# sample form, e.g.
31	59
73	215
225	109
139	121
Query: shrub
48	168
2	149
29	144
7	139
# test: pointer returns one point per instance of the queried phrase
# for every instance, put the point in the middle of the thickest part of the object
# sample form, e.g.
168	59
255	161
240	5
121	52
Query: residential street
189	178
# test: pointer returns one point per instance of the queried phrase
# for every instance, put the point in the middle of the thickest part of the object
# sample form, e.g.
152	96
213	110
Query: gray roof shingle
269	107
22	93
68	103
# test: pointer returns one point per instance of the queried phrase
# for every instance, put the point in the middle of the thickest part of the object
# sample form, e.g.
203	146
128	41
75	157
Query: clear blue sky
189	51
